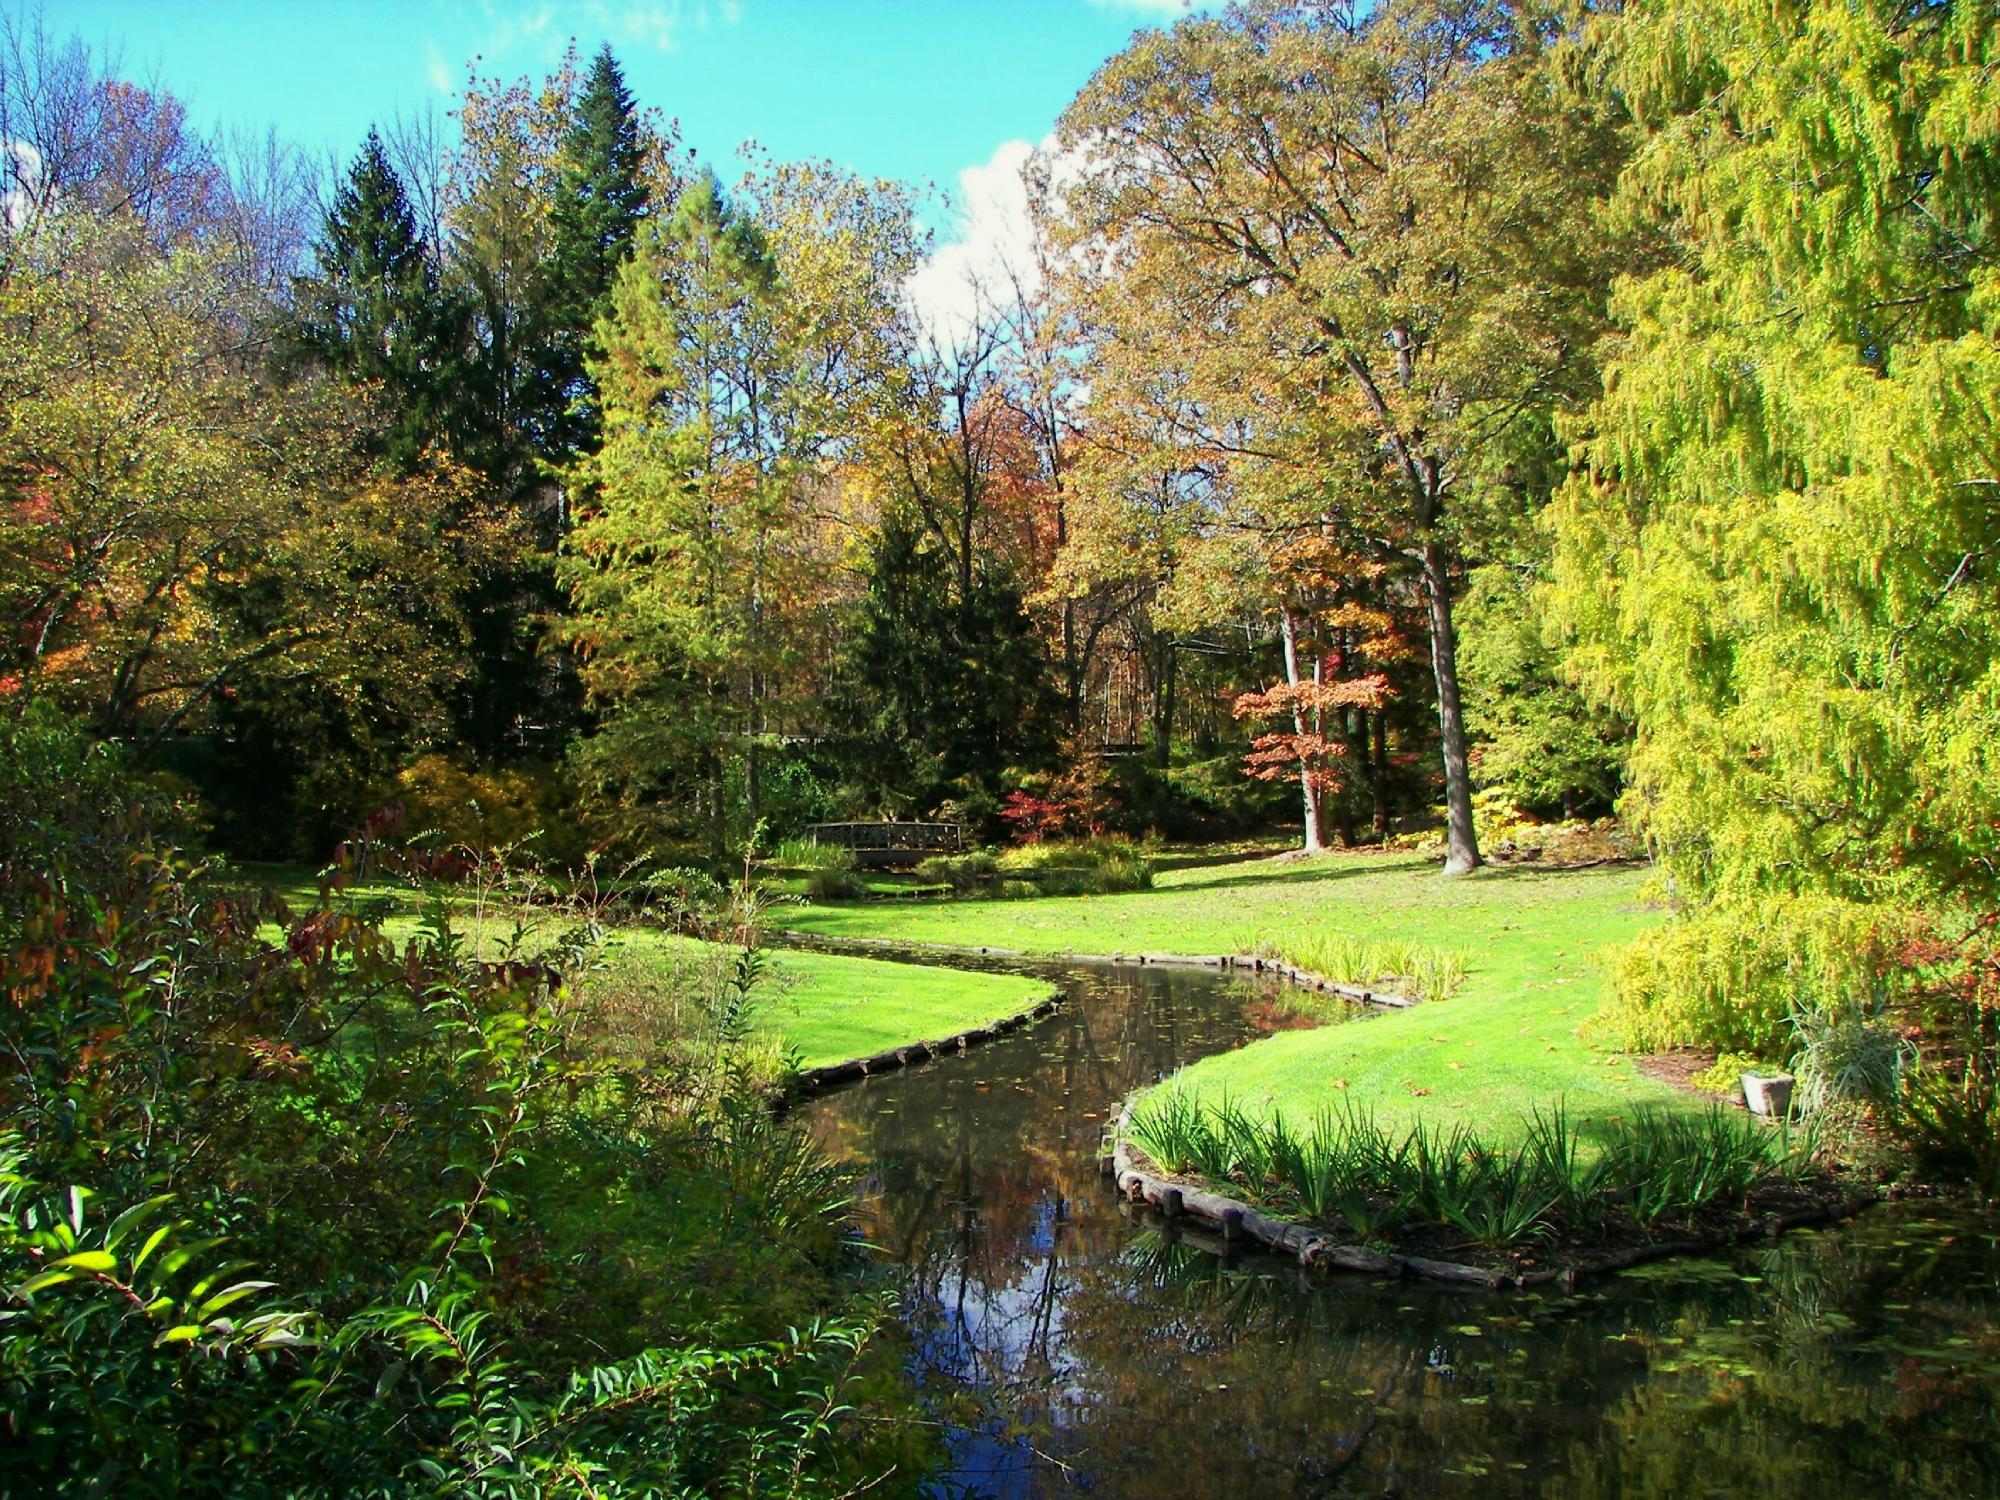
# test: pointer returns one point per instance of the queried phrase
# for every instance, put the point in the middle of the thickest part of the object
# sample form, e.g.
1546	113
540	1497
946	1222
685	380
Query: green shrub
1086	867
964	873
493	808
835	880
1733	977
1950	1121
1725	1075
290	1206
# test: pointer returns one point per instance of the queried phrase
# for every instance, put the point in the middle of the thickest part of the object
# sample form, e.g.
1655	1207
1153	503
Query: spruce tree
373	312
600	200
936	696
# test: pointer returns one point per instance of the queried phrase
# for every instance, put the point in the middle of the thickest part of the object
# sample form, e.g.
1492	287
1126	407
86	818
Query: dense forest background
1410	416
527	465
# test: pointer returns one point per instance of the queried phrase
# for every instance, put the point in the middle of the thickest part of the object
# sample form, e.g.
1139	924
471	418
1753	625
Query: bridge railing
890	843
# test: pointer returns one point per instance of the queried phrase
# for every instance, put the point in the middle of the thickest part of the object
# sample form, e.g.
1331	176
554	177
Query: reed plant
1421	972
1348	1170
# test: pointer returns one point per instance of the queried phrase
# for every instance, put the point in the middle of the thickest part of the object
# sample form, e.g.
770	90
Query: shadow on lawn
1283	870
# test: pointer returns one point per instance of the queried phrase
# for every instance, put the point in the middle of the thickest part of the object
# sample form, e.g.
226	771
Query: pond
1071	1345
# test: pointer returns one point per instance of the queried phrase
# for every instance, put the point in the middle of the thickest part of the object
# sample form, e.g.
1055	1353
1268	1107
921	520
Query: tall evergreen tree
937	695
600	199
374	311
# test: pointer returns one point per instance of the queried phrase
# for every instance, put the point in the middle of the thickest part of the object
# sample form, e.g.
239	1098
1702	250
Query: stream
1069	1344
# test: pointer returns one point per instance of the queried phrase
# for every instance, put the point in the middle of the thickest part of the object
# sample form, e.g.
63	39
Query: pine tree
600	200
374	312
938	695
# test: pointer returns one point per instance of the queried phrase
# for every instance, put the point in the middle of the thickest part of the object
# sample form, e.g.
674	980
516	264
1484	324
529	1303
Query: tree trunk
1073	669
1378	772
1315	838
1354	742
1461	846
1163	702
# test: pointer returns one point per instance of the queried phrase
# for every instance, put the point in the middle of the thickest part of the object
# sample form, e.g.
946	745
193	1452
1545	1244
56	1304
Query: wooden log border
1137	1178
811	1081
1237	1222
1247	962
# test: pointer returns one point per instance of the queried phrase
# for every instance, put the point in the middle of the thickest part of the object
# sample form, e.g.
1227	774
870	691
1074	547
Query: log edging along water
1305	979
1241	1224
810	1081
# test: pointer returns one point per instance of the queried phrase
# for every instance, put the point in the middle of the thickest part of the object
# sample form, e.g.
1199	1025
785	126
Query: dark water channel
1070	1346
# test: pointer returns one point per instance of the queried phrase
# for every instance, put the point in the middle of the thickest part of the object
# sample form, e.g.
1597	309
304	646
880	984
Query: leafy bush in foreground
289	1206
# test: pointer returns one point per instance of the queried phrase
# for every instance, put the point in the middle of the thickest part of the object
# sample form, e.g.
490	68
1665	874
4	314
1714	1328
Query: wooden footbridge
885	845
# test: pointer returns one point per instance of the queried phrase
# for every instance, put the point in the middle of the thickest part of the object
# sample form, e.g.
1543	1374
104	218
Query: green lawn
832	1008
1506	1043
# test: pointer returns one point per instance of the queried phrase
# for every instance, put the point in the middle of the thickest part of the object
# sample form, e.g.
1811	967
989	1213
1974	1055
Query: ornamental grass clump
1411	969
1349	1173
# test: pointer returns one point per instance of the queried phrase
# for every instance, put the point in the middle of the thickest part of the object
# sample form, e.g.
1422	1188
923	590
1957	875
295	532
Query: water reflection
1078	1347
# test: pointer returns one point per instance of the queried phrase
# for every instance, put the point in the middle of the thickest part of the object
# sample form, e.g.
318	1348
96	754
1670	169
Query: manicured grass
830	1007
1506	1043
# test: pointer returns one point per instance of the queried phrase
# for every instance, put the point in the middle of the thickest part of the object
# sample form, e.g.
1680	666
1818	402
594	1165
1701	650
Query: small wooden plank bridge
891	844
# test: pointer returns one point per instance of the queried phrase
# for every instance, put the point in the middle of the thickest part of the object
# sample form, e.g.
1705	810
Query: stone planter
1768	1094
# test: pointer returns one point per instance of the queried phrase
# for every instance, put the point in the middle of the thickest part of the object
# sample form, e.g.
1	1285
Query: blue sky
914	89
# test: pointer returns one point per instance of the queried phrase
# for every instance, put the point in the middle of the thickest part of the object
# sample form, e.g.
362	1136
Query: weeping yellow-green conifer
1780	554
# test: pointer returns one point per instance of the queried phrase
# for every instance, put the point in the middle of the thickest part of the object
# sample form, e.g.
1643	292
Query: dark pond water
1072	1347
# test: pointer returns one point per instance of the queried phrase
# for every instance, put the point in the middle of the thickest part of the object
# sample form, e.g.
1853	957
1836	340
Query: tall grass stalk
1423	973
1348	1170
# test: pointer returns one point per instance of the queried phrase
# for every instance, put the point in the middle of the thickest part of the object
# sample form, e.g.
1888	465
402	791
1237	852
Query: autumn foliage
1305	749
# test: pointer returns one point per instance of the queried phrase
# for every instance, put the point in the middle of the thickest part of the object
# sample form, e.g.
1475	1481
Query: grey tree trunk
1461	845
1315	840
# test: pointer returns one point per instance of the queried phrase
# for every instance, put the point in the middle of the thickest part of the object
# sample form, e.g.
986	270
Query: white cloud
21	171
519	34
992	252
994	246
531	30
436	69
641	25
659	23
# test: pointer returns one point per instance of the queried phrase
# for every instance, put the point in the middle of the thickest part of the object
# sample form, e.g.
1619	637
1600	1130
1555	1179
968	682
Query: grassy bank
1504	1044
829	1007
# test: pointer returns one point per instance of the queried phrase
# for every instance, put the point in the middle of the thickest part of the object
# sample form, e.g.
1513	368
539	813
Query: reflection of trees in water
1847	1362
1796	1382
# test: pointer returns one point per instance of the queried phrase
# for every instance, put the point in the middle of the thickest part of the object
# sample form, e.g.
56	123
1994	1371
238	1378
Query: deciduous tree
1777	559
1377	221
